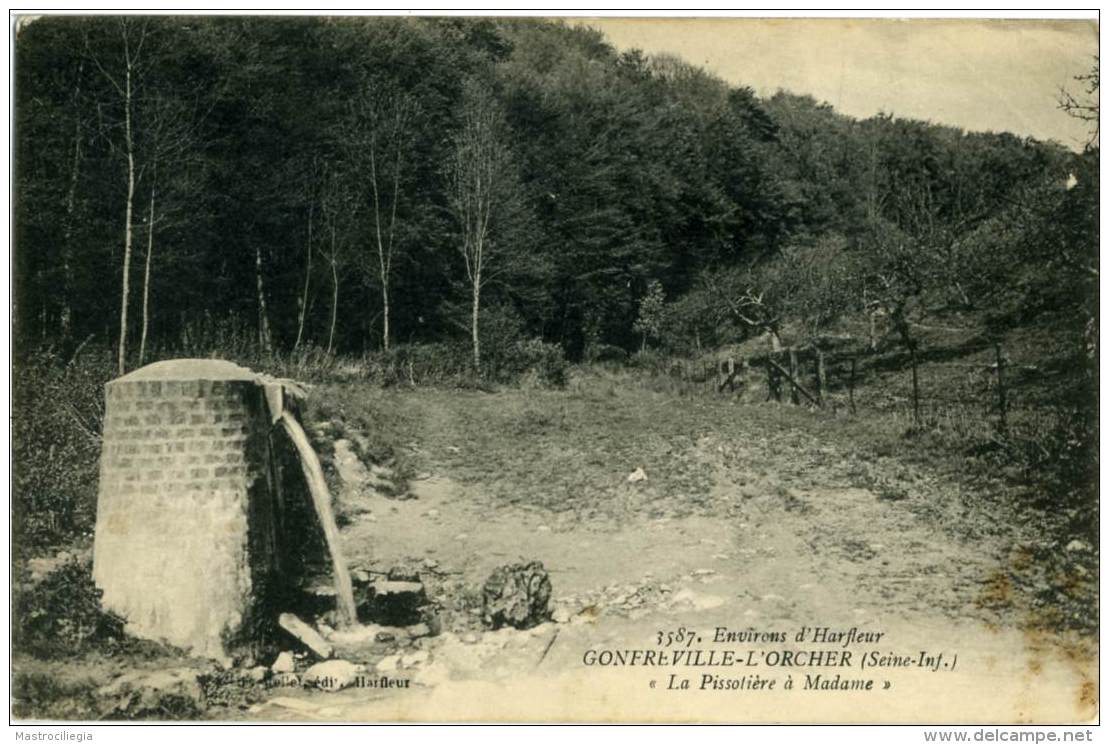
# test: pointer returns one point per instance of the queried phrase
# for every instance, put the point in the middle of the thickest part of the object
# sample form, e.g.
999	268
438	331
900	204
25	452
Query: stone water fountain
192	502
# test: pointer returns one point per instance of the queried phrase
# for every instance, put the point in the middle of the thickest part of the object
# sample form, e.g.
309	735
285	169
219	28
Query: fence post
1002	399
916	386
820	377
851	386
794	396
773	380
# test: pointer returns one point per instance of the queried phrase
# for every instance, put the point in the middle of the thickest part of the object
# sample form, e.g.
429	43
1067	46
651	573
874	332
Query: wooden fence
815	377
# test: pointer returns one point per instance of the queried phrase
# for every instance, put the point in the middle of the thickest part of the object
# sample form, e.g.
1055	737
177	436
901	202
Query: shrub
598	352
42	694
419	364
649	360
57	413
61	616
536	356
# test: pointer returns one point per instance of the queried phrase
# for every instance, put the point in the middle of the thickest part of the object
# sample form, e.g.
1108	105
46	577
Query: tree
483	194
1085	106
377	137
651	310
171	138
336	210
132	35
757	295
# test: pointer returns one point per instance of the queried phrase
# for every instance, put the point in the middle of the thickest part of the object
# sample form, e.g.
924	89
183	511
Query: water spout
321	499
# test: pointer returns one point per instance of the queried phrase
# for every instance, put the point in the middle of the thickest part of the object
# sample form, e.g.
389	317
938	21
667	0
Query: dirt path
781	540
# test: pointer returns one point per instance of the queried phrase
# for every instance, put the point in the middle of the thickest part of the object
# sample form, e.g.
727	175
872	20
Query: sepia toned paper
793	592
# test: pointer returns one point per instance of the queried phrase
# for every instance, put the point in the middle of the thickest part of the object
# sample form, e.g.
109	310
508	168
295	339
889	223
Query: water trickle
321	500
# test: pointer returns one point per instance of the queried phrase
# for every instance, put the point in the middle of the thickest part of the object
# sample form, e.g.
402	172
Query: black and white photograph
545	368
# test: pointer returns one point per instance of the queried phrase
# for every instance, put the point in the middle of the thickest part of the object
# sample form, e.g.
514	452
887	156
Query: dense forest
347	184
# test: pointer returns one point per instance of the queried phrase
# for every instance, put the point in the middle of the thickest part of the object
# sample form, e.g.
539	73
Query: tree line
351	184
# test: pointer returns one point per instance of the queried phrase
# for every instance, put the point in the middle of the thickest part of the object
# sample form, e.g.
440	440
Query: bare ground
751	517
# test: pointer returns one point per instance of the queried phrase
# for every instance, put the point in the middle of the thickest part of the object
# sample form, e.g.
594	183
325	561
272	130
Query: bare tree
170	133
71	202
1085	106
376	136
133	35
310	188
336	209
482	188
757	296
265	336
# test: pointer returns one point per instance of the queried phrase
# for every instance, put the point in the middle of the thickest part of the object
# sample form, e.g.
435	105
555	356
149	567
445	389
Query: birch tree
336	210
309	191
483	192
377	138
132	36
170	135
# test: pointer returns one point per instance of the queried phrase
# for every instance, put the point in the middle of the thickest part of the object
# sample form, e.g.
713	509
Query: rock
561	614
389	587
333	675
454	449
419	630
1077	545
385	637
422	476
403	573
284	663
637	476
543	529
306	635
430	563
470	637
432	513
434	624
516	595
388	664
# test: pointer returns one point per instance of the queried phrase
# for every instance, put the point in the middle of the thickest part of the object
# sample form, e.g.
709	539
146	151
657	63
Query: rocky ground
731	516
656	517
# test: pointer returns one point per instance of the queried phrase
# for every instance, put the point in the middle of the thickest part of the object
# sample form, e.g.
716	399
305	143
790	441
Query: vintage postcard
521	369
